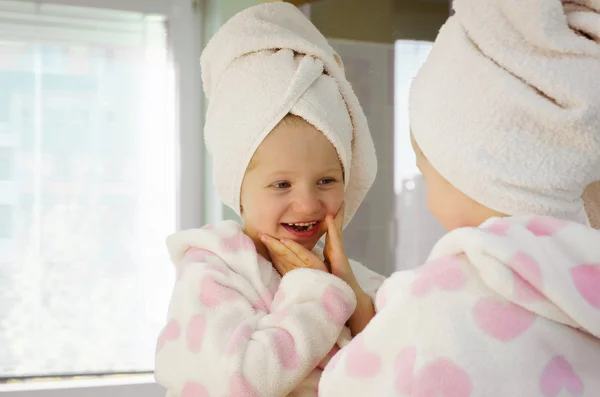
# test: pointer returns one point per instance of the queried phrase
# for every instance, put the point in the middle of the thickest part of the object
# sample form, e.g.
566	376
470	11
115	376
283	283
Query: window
417	229
6	163
88	182
409	57
6	222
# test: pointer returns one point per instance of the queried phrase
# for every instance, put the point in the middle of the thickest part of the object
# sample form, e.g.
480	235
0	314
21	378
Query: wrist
364	312
363	301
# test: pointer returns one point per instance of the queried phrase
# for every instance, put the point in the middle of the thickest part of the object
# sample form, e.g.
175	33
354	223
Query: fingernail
262	237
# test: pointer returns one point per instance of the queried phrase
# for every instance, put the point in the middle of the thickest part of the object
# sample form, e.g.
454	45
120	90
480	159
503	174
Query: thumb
339	218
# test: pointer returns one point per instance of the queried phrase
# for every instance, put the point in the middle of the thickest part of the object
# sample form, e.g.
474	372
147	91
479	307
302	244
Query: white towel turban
268	61
507	106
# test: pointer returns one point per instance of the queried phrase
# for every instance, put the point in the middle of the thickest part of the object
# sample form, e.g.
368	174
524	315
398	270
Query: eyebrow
284	173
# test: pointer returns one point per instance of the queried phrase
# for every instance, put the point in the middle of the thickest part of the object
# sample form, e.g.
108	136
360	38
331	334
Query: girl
255	310
508	140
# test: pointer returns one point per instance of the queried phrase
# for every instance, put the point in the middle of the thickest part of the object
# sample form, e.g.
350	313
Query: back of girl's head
506	106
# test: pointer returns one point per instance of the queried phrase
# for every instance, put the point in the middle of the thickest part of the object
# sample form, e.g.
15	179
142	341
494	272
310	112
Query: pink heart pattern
284	348
279	313
263	303
528	278
197	255
440	378
191	255
361	363
279	297
587	281
170	332
239	339
338	310
444	273
193	389
195	332
542	226
499	227
194	254
260	306
405	368
216	268
501	320
239	242
213	294
558	375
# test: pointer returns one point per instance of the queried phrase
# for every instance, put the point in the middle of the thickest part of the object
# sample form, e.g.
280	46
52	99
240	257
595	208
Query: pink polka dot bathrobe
236	328
511	308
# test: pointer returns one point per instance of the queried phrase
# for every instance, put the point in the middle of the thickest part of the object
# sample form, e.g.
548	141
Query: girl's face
452	208
294	181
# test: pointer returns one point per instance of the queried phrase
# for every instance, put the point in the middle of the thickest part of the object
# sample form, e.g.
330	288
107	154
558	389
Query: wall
362	20
418	19
381	21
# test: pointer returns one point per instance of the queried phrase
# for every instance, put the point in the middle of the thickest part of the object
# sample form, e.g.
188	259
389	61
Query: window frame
186	41
130	386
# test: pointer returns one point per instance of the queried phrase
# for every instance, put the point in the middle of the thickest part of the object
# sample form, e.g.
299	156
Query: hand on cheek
335	257
287	255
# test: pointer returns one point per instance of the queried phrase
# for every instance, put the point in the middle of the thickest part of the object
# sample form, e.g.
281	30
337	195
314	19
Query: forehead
296	146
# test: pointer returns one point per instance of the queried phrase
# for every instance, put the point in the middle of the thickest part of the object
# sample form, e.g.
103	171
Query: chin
308	245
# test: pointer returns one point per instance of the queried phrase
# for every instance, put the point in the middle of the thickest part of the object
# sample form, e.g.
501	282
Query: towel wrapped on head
507	106
264	63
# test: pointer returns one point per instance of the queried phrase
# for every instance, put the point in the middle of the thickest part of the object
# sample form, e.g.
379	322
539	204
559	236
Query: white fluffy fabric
268	61
507	106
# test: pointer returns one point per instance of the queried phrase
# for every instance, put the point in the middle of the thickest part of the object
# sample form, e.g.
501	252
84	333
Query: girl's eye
326	181
281	185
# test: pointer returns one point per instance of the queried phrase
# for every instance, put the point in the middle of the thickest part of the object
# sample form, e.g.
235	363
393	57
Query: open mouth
304	229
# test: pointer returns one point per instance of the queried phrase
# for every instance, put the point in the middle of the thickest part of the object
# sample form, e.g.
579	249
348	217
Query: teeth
306	225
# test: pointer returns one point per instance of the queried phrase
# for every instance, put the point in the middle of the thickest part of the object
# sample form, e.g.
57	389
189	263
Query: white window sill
132	386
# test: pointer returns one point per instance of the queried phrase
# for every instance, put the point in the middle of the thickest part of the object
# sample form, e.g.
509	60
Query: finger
327	248
334	234
338	261
280	263
277	264
339	217
286	256
307	257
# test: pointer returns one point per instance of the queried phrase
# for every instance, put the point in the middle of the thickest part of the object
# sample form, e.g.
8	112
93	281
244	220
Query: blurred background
101	157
